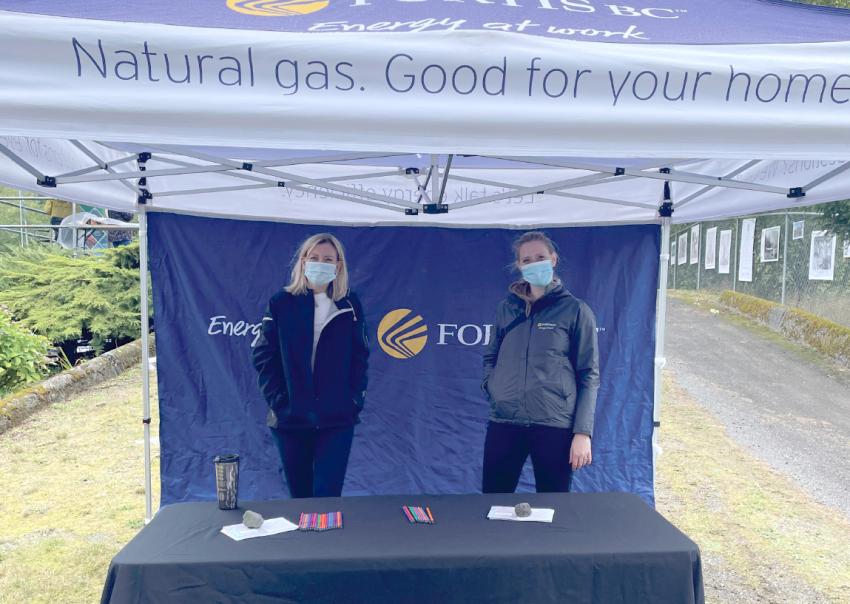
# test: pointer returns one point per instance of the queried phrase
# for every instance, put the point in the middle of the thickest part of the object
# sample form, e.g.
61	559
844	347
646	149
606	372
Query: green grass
73	496
73	493
751	521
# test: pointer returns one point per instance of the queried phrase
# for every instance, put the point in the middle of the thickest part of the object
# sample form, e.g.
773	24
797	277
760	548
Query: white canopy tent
497	128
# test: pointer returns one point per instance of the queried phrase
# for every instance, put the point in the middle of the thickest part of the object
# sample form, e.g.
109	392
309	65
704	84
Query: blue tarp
423	427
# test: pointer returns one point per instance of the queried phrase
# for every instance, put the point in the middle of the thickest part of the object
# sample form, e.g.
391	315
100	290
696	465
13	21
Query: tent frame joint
435	208
46	181
248	166
411	171
666	209
619	171
796	193
411	212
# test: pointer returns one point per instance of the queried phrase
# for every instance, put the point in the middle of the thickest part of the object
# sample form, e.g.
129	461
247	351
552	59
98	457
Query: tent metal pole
146	374
784	257
660	333
435	179
699	253
75	230
687	200
24	239
257	168
584	181
675	259
735	259
103	165
535	190
828	176
21	162
445	179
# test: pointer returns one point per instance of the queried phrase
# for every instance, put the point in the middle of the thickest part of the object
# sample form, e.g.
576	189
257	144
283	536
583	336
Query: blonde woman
541	374
312	360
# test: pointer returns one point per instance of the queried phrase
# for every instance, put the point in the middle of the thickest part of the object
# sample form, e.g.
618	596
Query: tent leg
146	377
660	332
784	257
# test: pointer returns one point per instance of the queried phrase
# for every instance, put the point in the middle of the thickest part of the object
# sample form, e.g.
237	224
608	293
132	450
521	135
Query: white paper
745	258
710	248
272	526
683	248
822	256
503	512
725	252
695	231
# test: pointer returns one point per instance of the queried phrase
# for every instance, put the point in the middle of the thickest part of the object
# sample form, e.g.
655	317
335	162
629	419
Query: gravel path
783	406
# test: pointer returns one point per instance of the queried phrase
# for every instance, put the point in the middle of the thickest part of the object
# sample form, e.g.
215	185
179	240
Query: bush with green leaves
22	354
59	296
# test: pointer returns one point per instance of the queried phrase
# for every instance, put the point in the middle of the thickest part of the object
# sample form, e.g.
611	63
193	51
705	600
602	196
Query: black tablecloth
605	547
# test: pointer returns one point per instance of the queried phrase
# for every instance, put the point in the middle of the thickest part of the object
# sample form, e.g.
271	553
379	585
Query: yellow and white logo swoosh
401	335
277	8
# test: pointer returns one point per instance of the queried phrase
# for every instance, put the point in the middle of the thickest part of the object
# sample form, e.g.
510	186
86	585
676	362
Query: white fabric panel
640	196
601	112
721	203
52	157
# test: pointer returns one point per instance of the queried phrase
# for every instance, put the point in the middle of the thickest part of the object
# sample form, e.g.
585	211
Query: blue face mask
538	274
319	273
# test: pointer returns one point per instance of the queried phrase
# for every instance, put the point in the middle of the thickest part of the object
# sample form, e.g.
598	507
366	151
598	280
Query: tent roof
506	112
679	22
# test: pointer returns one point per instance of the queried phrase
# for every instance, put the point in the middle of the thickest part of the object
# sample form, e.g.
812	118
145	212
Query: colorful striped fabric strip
313	521
418	515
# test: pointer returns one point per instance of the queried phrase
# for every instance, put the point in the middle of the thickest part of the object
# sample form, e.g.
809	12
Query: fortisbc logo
277	8
402	336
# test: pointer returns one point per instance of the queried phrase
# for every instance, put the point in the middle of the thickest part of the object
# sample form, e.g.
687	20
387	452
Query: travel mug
226	480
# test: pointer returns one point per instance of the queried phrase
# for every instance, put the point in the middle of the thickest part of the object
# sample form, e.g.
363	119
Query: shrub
795	324
22	353
60	296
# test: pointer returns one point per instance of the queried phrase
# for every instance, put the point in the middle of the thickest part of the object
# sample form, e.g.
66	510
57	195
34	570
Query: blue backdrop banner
423	427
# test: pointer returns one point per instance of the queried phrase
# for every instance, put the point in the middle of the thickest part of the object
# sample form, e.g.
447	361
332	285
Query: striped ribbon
418	514
314	521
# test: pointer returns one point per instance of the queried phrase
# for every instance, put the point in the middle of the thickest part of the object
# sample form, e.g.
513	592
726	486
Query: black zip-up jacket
330	393
542	363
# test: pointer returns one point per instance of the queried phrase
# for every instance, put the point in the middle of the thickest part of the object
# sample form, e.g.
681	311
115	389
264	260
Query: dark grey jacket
542	363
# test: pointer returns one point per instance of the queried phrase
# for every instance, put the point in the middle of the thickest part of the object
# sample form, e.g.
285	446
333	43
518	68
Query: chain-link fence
788	257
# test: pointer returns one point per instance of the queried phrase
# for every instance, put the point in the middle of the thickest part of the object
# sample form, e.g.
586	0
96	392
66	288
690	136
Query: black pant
506	448
314	461
55	220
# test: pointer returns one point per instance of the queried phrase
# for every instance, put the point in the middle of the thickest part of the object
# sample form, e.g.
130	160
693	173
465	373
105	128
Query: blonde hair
338	288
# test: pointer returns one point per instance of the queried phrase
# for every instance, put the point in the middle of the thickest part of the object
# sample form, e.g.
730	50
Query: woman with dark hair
541	375
312	360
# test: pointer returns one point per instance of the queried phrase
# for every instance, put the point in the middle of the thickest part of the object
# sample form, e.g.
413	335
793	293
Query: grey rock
522	510
252	519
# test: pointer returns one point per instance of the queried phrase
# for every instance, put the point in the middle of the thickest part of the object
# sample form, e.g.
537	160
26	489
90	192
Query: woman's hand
580	451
